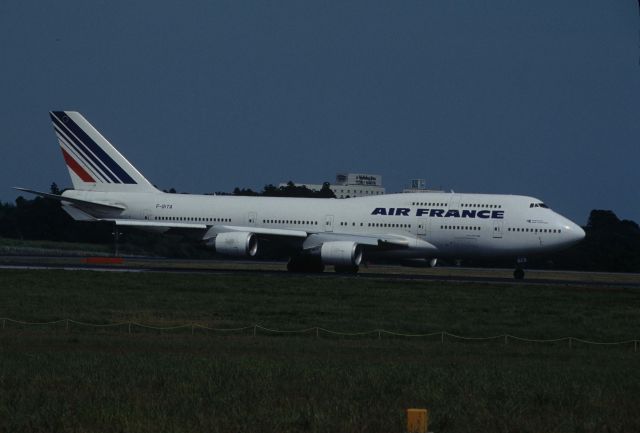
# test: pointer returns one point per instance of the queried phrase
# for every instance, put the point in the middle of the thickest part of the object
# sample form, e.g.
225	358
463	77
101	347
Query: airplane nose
574	232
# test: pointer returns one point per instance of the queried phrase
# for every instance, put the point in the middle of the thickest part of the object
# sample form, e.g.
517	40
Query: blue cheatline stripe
84	151
93	146
78	154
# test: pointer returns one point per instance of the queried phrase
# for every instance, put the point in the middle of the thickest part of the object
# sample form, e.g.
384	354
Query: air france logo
440	213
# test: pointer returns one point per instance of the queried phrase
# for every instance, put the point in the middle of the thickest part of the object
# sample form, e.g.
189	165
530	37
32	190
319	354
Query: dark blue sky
519	97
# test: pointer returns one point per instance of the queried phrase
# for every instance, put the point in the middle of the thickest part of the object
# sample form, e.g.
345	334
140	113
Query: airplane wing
312	242
380	241
211	231
217	229
316	239
156	225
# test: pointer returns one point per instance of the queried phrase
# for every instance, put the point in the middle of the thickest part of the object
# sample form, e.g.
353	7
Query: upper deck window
539	205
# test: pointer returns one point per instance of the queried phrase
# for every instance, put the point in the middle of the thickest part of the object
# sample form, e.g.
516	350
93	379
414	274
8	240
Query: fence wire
319	331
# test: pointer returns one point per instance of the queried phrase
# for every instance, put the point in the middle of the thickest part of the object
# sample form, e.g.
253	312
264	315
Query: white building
351	185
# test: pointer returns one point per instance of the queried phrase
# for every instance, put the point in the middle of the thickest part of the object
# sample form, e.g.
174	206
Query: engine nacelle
239	244
341	253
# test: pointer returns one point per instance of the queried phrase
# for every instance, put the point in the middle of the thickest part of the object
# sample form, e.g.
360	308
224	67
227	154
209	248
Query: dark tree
270	191
54	189
244	191
610	245
326	191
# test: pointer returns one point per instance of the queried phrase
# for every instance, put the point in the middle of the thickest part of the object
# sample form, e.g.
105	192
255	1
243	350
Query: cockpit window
539	205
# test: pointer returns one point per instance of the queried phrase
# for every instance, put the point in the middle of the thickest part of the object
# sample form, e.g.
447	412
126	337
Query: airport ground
54	378
374	271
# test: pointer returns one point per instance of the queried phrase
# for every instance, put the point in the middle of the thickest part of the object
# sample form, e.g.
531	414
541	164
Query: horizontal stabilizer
77	214
83	204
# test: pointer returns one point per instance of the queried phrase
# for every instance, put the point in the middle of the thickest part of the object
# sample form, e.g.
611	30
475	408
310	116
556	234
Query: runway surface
451	274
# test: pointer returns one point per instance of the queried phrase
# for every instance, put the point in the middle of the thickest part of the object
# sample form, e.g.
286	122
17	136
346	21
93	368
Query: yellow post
417	420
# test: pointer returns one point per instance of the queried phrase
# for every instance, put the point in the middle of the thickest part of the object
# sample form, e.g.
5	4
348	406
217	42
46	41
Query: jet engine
341	253
238	244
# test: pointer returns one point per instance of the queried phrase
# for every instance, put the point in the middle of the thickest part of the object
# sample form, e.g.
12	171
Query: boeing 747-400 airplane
316	232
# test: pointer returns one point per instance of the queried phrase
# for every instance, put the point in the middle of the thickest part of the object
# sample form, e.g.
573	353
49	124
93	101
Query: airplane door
422	226
328	223
497	229
251	219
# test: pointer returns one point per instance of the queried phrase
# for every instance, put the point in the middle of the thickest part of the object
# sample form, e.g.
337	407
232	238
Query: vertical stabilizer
93	163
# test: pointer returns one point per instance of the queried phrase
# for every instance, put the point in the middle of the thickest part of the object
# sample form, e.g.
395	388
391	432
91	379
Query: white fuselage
313	232
457	225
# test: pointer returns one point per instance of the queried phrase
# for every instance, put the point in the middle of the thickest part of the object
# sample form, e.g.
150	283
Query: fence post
442	337
3	322
254	330
379	335
635	343
505	339
570	345
192	329
417	420
129	327
67	325
317	332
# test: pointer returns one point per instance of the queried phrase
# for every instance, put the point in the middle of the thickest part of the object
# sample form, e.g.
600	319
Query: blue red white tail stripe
75	152
88	158
77	168
89	152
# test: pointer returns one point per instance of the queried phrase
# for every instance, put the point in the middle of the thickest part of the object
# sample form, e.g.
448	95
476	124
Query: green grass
345	304
108	380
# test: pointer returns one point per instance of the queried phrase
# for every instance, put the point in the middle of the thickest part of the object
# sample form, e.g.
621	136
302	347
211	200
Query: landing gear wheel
293	266
306	265
518	274
347	269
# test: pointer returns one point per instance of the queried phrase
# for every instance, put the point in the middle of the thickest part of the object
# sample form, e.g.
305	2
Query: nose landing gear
518	274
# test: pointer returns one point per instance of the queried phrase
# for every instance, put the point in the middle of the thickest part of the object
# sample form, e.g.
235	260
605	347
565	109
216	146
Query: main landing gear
305	264
313	265
346	269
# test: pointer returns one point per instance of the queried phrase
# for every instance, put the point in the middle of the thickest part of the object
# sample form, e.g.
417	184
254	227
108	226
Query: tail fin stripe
93	163
71	148
77	169
97	150
84	151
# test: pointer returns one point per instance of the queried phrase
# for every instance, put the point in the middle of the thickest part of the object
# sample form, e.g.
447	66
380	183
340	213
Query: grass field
86	379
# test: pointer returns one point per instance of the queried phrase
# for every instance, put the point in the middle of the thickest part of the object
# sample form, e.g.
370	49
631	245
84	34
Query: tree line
610	244
288	190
